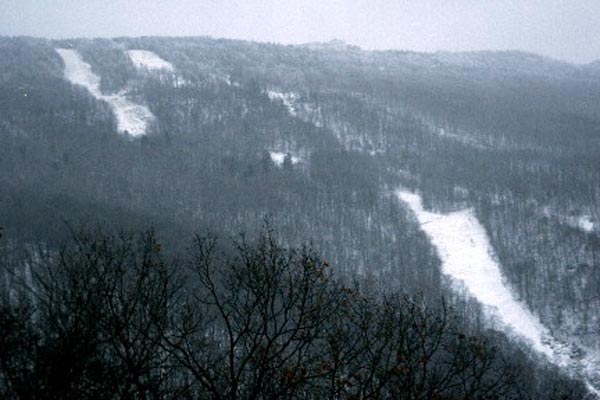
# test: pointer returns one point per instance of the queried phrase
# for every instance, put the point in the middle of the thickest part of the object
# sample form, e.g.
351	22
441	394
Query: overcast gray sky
564	29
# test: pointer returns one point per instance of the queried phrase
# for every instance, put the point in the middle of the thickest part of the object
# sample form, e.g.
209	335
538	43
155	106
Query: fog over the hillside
557	28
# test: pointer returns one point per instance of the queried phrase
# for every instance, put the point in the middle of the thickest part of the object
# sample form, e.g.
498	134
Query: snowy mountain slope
132	118
79	72
515	132
468	258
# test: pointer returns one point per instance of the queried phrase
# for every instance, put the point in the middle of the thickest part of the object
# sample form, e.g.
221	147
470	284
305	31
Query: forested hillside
316	140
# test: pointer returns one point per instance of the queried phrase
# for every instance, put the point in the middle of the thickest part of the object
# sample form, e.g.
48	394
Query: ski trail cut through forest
132	118
468	258
145	59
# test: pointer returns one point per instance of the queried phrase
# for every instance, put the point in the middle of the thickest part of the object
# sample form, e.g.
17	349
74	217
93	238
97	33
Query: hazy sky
564	29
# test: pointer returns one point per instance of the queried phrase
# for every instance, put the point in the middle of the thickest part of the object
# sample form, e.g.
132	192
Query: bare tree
253	327
272	323
100	309
399	348
109	317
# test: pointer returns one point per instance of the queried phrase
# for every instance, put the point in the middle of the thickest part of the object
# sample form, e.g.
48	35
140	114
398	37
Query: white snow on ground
468	258
132	118
278	158
145	59
287	99
79	72
585	222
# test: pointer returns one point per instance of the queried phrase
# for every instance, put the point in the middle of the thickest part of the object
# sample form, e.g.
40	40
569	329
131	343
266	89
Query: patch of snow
376	152
288	100
132	118
278	158
592	390
145	59
468	258
585	223
79	72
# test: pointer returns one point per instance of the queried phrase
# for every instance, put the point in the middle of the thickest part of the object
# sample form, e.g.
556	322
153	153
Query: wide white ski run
469	260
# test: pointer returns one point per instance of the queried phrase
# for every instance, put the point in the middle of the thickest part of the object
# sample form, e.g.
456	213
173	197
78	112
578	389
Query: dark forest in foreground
112	317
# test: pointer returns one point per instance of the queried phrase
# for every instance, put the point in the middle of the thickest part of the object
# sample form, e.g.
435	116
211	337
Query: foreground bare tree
254	321
270	323
400	348
109	317
100	310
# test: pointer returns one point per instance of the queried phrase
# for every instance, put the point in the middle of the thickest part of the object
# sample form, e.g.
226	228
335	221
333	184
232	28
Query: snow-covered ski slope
145	59
468	258
132	118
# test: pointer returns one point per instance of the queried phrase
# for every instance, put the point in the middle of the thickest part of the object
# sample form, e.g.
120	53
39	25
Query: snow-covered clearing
145	59
278	158
468	258
585	223
287	99
132	118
